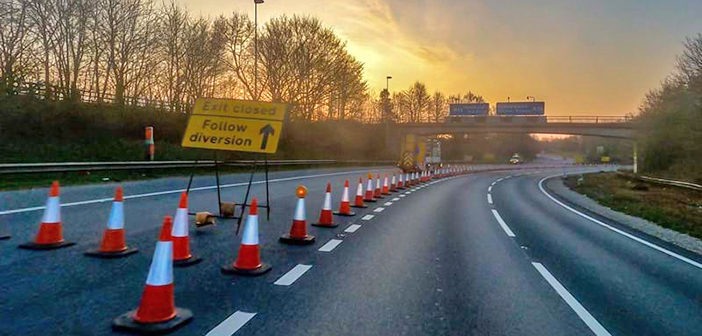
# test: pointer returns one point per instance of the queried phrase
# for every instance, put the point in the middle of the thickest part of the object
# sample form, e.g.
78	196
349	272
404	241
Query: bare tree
15	42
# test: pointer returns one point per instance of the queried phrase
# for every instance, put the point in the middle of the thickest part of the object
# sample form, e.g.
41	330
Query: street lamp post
387	84
256	2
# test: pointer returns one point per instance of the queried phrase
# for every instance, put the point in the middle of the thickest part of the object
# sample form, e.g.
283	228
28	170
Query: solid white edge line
330	245
378	209
625	234
367	217
489	198
231	324
352	228
295	273
175	191
584	315
502	223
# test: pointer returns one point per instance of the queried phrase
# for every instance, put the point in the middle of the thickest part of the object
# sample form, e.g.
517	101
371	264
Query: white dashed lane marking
292	275
395	199
353	227
231	324
584	315
387	204
367	217
502	223
330	245
378	209
489	198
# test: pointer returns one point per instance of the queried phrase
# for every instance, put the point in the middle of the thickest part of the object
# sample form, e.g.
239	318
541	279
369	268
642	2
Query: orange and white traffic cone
157	312
400	182
298	231
325	217
181	241
393	185
358	201
248	261
113	243
377	193
345	205
50	234
369	190
386	187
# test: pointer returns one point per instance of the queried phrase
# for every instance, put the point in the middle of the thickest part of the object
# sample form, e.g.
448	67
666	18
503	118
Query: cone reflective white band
116	220
392	182
377	183
385	182
370	184
161	270
359	190
180	225
345	195
400	179
52	214
300	210
327	202
250	236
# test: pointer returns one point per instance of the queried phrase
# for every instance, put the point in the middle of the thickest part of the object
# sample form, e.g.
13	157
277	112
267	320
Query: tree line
671	118
121	51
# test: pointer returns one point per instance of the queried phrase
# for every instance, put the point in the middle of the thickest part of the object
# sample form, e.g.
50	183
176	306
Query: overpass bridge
602	126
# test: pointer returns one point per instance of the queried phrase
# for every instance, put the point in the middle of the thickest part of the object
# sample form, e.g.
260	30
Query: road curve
443	259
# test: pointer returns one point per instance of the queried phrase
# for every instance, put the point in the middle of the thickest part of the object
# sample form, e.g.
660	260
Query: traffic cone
325	217
400	183
369	190
113	243
386	188
50	234
298	231
345	206
157	312
393	186
377	193
181	241
358	201
248	261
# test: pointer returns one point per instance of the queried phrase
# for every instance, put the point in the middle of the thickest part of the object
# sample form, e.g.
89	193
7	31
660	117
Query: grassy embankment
33	130
670	207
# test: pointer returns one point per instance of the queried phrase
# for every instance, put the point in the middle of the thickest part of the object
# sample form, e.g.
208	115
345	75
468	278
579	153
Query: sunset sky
594	57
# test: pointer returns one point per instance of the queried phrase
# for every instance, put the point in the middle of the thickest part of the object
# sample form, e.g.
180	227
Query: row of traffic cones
113	243
157	312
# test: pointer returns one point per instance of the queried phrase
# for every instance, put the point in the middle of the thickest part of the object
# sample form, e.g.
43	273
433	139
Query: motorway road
437	261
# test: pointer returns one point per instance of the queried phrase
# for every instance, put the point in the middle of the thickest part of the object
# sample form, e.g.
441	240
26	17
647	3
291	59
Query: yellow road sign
235	125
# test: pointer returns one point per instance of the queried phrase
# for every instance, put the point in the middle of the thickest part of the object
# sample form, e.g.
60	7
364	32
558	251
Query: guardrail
661	181
589	119
674	183
60	167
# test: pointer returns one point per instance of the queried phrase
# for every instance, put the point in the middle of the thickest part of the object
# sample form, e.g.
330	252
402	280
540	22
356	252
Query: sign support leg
246	197
219	196
190	180
268	200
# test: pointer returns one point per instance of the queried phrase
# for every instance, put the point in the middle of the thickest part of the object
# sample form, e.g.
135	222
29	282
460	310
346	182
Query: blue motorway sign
469	109
521	108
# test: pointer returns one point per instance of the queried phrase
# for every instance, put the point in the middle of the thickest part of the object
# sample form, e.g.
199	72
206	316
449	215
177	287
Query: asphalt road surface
487	253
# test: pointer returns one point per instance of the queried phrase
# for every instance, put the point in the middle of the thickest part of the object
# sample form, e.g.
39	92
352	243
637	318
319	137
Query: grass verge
670	207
